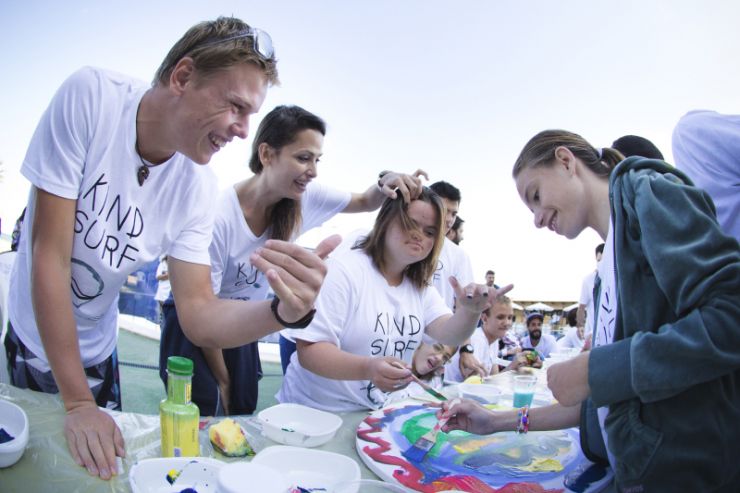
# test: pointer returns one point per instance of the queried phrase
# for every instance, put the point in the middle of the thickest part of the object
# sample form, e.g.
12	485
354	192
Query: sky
454	88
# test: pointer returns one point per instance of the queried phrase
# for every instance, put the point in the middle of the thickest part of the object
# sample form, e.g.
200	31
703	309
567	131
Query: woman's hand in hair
389	373
294	273
410	186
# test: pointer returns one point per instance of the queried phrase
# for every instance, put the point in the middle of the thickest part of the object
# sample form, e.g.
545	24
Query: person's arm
469	363
587	288
92	436
471	301
215	360
517	362
468	415
388	186
327	360
581	315
294	273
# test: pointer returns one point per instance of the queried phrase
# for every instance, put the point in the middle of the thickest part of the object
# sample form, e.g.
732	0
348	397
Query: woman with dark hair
658	396
280	201
375	308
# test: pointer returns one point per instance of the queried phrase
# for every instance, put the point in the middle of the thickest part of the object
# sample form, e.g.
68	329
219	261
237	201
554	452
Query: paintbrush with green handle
421	383
428	388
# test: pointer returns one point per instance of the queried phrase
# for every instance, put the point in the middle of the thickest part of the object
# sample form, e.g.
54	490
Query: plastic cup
524	390
367	486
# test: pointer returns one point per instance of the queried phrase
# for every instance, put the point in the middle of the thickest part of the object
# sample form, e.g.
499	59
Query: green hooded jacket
671	378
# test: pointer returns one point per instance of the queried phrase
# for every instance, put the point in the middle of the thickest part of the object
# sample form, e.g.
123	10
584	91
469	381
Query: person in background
15	238
706	146
586	307
375	308
535	339
163	288
281	200
455	234
489	342
634	145
453	261
118	175
664	356
574	337
490	278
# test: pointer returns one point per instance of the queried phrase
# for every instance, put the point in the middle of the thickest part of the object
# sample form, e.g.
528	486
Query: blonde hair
501	299
201	44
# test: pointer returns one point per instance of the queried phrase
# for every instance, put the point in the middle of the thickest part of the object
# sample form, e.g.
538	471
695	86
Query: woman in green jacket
659	393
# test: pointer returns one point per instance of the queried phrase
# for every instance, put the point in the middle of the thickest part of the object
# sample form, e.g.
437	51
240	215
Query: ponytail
540	152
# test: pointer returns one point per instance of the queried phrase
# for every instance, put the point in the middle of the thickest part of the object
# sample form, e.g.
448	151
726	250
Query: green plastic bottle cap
179	365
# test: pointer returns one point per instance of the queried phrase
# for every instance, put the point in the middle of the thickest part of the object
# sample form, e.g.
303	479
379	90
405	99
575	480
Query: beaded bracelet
523	425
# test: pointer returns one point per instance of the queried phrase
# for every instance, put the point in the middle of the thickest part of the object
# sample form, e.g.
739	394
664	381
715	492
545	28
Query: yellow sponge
228	437
473	379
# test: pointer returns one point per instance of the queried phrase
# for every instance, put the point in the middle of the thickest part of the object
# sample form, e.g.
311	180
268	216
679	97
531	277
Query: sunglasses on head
261	41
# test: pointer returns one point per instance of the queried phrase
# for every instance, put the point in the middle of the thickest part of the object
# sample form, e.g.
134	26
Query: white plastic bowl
310	469
152	475
243	477
14	421
483	393
302	426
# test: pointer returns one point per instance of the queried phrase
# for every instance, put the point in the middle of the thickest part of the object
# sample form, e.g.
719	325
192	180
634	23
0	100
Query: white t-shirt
706	146
485	353
453	261
84	149
360	313
587	297
232	274
546	345
607	316
571	339
163	286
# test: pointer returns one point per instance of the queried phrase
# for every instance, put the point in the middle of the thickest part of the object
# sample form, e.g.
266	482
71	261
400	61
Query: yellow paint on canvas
543	465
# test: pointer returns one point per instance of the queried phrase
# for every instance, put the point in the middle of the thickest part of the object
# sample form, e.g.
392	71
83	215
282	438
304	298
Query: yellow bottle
178	417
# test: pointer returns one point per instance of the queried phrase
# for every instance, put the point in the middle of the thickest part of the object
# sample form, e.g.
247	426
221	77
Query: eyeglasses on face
261	41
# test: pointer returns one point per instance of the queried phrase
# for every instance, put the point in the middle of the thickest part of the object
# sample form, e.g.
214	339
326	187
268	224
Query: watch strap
301	323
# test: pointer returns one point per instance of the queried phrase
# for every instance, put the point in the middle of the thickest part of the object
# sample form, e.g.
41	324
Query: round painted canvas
535	462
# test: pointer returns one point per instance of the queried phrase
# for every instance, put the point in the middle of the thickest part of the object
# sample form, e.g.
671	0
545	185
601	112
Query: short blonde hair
501	299
209	56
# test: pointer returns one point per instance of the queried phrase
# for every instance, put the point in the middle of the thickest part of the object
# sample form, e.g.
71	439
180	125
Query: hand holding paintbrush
423	384
426	442
388	373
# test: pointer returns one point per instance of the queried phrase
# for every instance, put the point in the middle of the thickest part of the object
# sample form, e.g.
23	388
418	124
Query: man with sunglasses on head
117	174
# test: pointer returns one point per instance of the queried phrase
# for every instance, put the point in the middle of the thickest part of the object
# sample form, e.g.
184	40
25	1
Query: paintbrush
429	388
424	444
421	383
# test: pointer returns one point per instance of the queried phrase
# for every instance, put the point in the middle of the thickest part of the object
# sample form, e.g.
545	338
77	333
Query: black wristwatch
467	348
302	323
